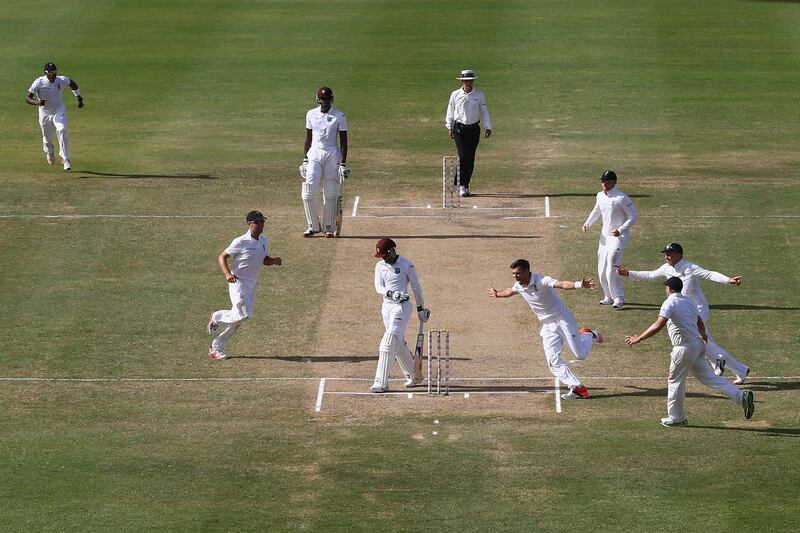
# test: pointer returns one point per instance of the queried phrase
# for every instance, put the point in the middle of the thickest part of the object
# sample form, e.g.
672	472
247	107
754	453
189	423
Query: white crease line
558	395
320	394
476	207
547	207
390	393
751	377
355	206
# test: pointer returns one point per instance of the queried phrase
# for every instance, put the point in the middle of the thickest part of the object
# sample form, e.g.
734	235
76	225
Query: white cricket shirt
397	277
681	315
542	297
467	108
248	256
44	90
690	275
325	127
616	209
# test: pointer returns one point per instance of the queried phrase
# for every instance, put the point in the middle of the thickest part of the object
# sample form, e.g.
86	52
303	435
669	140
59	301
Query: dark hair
521	263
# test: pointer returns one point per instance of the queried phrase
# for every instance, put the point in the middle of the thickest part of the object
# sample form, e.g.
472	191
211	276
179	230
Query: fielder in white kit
393	275
691	274
325	161
248	253
558	324
618	214
687	333
45	92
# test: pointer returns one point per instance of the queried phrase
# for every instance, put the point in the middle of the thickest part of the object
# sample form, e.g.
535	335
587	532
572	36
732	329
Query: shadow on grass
769	432
542	195
752	307
87	174
435	237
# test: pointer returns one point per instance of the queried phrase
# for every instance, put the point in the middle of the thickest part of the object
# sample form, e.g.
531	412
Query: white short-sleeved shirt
467	108
325	127
44	90
681	315
616	209
541	296
248	256
690	275
397	277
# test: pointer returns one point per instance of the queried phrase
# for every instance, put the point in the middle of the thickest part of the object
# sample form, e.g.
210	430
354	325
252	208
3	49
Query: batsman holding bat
393	274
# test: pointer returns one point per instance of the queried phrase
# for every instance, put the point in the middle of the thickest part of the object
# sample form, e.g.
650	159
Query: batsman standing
248	253
465	109
558	324
45	92
324	160
618	214
393	275
690	275
687	333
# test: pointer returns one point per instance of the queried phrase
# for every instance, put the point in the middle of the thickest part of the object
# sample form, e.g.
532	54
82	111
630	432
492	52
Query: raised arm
505	293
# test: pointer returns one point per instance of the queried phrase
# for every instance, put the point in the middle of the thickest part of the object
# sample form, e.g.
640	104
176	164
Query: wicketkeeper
393	274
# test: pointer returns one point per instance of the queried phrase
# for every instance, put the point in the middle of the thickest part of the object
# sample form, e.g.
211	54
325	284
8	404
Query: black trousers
467	139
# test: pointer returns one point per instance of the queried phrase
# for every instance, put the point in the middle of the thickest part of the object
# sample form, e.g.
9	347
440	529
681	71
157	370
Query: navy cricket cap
608	175
255	216
50	67
672	247
674	283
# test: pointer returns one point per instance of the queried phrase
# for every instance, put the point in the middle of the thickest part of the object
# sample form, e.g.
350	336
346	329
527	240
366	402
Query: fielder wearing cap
559	326
393	275
687	333
465	110
324	161
248	253
618	214
691	274
45	93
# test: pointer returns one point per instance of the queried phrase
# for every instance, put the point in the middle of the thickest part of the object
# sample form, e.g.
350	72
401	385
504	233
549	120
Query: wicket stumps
439	335
451	181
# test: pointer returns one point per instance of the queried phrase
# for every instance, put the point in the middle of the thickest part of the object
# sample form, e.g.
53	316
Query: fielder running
687	333
690	274
393	274
558	324
618	214
248	252
325	161
45	92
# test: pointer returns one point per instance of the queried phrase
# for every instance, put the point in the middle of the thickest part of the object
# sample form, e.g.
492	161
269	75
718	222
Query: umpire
465	110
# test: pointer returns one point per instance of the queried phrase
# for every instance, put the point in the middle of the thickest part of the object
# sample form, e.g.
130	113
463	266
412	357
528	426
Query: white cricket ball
429	206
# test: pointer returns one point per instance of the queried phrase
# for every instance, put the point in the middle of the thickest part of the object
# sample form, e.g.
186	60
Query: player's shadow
748	307
438	237
766	432
88	174
542	195
632	306
646	392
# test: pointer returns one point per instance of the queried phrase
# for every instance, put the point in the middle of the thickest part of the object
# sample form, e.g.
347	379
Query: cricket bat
339	208
418	353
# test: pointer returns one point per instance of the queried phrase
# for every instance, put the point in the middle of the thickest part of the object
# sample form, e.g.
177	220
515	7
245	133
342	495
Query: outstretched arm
584	283
654	328
505	293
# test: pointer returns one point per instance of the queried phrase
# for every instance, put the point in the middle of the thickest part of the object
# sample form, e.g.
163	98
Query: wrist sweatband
579	284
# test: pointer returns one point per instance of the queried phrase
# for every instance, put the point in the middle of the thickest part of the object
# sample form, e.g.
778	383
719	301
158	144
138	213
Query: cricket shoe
310	232
329	235
378	389
67	164
216	354
576	393
212	326
670	423
606	301
719	366
596	335
748	406
618	304
740	379
50	159
411	382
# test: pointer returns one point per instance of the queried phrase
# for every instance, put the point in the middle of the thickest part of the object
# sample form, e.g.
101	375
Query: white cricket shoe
212	326
411	382
719	366
740	379
50	159
596	335
606	301
576	393
67	165
463	192
618	303
378	389
216	354
670	423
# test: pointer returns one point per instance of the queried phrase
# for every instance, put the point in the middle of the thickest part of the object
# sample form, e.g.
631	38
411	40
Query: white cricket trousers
393	346
715	351
55	123
323	166
609	254
242	296
554	334
688	360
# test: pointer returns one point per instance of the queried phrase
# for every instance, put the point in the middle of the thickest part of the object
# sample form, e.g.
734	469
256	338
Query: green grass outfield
194	112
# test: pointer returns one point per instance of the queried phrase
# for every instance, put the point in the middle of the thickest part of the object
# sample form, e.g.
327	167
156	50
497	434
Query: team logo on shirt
396	270
329	118
58	85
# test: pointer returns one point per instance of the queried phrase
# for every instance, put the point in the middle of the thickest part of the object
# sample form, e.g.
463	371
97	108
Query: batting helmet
609	175
50	67
324	94
384	247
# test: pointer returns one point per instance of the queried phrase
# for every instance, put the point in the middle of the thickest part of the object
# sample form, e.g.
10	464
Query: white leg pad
406	360
330	192
310	205
386	355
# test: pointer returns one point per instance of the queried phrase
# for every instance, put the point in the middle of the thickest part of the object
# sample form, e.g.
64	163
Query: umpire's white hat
467	74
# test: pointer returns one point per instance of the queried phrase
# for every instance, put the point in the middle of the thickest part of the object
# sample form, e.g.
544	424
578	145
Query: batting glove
423	314
344	171
303	168
397	296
